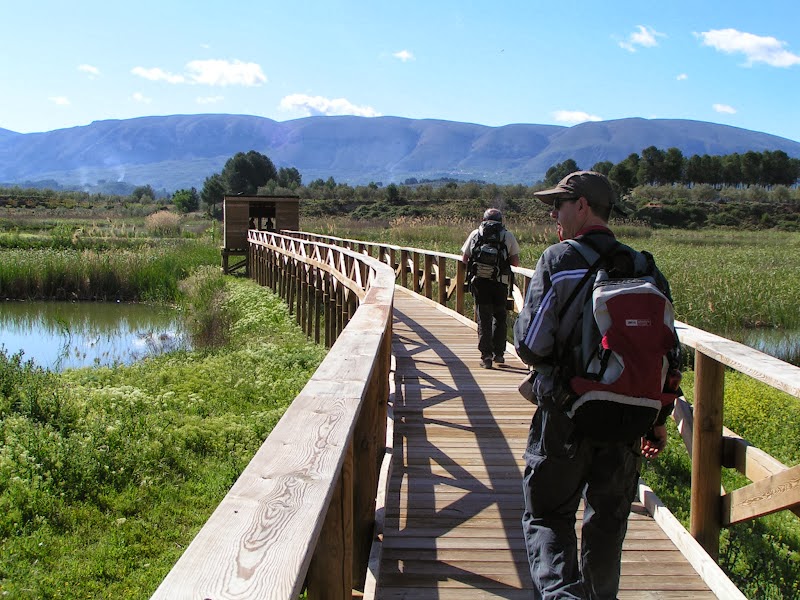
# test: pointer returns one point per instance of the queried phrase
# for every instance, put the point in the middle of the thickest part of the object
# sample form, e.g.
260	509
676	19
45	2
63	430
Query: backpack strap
593	258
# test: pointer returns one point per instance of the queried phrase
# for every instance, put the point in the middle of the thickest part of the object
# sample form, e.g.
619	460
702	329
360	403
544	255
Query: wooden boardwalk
454	501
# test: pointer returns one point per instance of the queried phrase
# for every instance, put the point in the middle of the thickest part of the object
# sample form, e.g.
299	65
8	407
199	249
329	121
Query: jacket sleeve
534	329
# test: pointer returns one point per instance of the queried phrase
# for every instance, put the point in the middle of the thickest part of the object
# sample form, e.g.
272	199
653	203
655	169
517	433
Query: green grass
762	557
107	474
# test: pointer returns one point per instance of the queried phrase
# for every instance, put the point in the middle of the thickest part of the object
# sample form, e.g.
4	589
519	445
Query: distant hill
180	151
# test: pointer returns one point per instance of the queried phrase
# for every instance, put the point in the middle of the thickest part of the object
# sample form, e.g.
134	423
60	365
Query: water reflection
60	335
779	343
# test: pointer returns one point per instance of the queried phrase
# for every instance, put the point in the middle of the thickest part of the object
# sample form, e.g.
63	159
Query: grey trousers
560	469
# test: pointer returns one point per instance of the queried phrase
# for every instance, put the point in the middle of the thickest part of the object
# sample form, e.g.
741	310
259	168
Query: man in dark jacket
491	288
563	465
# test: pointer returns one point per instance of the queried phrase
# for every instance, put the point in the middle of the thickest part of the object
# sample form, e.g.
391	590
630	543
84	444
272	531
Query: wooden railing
301	514
775	486
435	275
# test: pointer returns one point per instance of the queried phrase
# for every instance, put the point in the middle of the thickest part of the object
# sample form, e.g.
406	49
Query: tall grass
145	274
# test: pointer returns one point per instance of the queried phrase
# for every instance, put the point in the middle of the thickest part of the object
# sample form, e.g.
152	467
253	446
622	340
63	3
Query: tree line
663	187
669	167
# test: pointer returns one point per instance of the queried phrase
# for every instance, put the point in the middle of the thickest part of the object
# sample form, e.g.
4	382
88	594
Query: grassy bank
107	474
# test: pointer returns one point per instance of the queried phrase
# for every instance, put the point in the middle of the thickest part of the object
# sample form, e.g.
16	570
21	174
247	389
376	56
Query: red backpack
618	377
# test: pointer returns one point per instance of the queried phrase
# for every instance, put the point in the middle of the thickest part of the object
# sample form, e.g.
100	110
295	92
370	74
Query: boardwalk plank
454	502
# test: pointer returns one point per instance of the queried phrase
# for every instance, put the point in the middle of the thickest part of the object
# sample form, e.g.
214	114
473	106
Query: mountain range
180	151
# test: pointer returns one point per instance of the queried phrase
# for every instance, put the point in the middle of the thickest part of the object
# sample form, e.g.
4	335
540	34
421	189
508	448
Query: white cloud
209	99
141	98
212	72
645	37
724	108
756	48
223	72
319	105
574	116
59	100
157	74
89	70
404	55
682	77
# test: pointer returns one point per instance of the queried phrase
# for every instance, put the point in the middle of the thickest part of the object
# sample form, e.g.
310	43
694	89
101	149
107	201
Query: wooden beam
777	492
705	566
707	452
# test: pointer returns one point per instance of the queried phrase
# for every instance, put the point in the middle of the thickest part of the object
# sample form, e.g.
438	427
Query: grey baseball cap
593	186
493	214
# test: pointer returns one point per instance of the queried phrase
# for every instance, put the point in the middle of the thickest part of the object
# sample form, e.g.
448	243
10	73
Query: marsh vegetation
107	473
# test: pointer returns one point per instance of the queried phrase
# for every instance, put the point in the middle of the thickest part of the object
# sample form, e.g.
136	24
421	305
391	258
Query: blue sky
66	64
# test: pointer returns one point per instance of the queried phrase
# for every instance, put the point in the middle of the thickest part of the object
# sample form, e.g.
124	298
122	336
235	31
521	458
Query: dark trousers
490	307
560	469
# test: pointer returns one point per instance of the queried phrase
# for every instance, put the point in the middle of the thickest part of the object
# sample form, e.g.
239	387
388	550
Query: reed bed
144	274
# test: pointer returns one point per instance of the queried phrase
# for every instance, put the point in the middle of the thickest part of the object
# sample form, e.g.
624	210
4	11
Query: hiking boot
498	358
486	363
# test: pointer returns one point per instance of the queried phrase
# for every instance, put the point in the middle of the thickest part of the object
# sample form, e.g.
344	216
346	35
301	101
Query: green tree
557	172
651	166
777	168
143	193
393	194
186	201
245	173
732	169
624	173
672	169
603	167
289	177
212	194
751	168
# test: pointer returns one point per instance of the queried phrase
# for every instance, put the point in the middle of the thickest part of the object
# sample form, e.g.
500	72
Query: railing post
330	574
417	272
461	276
427	276
709	393
441	279
404	268
329	304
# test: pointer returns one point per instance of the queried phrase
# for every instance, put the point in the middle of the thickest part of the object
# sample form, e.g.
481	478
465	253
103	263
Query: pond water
779	343
62	335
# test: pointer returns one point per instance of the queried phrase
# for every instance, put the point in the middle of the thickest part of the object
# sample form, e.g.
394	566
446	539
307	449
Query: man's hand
655	441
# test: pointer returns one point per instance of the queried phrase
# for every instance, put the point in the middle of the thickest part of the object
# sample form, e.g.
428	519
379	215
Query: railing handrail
261	539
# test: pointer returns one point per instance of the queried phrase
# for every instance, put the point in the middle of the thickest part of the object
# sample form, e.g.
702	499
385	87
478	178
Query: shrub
207	319
163	224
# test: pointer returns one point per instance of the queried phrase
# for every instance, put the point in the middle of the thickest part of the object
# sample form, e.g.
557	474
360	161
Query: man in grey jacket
563	464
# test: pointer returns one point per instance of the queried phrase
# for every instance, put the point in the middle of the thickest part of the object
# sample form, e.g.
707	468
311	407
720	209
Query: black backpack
489	254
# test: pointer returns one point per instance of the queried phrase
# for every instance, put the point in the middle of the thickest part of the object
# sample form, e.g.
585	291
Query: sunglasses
558	202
